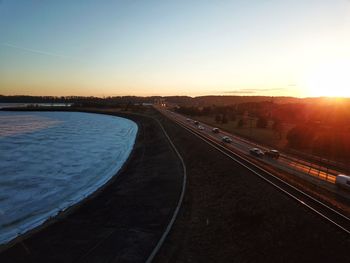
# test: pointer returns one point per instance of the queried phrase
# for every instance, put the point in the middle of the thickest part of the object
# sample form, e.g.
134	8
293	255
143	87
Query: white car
215	130
201	127
343	181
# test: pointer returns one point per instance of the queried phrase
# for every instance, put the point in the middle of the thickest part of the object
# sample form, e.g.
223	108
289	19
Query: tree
301	136
232	116
277	127
262	122
224	119
218	118
128	105
206	111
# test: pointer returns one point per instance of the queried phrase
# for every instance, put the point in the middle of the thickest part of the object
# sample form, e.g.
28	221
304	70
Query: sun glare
329	80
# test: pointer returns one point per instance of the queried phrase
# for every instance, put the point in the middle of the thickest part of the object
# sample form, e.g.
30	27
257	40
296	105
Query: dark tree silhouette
277	127
301	136
232	116
224	119
262	122
218	118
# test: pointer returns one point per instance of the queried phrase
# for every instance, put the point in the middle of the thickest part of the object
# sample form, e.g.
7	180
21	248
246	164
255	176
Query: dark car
215	130
226	139
274	154
196	122
256	152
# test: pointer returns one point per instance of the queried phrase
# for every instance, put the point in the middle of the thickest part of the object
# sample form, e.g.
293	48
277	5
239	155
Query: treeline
199	101
76	99
325	141
320	128
262	111
336	114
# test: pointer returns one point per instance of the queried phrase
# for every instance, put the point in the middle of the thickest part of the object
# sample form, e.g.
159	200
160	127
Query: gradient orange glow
269	48
330	79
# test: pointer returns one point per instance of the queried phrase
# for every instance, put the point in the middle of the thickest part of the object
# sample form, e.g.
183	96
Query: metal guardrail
341	165
311	170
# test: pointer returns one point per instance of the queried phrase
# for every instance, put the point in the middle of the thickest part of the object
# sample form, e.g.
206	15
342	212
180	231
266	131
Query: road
286	162
238	151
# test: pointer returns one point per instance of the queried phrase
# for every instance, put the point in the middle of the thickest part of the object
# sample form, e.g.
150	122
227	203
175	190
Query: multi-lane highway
285	162
238	151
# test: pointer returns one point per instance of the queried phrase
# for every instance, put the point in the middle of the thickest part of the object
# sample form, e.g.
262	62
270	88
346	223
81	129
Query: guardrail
340	165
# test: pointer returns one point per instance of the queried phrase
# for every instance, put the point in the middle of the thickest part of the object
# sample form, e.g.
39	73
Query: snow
52	160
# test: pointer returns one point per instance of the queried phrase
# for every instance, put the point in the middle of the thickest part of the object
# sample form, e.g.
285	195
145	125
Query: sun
328	80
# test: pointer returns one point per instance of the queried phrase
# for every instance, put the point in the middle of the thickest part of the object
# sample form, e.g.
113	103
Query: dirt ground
230	215
124	221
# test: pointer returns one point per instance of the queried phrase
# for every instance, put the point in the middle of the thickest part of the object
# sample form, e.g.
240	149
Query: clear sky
148	47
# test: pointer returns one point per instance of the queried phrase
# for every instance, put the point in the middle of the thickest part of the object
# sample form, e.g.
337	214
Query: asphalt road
285	162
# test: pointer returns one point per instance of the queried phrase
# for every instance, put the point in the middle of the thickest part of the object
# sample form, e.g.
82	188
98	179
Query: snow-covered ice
52	160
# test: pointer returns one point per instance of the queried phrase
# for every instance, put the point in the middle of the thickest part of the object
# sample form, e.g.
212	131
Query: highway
238	151
285	162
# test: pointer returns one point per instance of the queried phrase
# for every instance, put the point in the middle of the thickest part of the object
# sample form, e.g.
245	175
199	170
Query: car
215	130
188	119
196	123
226	139
201	127
256	152
274	154
343	181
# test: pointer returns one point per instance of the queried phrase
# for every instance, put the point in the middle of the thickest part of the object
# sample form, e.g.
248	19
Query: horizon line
147	96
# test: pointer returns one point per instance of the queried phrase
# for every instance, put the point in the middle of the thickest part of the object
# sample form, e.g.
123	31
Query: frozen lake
51	160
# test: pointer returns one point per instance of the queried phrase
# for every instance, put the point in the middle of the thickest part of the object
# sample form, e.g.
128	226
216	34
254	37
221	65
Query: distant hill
230	100
175	100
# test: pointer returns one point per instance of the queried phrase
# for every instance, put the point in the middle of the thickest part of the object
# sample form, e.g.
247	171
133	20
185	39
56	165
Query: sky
135	47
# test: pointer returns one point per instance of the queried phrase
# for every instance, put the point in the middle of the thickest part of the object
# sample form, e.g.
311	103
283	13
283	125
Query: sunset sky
138	47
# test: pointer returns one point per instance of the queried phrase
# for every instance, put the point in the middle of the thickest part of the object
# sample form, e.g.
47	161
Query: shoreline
43	223
17	243
52	216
